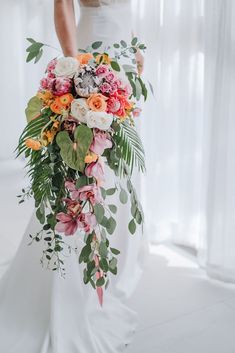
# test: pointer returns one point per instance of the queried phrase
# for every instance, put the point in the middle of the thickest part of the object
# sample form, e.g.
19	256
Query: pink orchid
86	222
96	170
67	224
70	185
101	141
89	192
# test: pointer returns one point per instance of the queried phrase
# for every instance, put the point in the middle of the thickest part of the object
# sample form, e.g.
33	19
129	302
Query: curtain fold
189	129
188	126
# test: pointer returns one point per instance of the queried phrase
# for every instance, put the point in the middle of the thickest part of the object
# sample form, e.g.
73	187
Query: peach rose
33	144
97	102
84	58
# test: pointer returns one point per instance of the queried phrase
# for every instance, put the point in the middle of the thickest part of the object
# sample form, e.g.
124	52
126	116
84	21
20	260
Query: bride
39	311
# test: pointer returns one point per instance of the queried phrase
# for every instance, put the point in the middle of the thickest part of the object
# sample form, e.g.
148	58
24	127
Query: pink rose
102	71
100	142
106	88
113	105
110	77
96	170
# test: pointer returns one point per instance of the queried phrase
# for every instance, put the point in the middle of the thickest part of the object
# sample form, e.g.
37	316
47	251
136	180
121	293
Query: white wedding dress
39	311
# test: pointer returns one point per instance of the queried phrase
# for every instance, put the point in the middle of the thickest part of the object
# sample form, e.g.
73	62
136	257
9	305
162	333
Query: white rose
79	109
66	66
100	120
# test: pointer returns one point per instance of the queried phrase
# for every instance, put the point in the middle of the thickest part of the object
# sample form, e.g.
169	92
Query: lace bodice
98	3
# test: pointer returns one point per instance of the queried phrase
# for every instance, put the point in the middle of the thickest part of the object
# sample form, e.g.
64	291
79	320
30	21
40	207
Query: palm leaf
131	149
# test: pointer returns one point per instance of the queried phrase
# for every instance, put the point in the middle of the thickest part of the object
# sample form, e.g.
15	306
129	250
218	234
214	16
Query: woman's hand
65	26
140	62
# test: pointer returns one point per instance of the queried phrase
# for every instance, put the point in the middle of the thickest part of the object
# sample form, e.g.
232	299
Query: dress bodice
98	3
104	20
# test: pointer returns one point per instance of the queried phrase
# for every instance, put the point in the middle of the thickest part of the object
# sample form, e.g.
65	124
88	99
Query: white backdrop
189	190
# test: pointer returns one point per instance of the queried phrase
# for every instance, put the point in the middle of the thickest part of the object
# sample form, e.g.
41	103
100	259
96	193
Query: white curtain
188	127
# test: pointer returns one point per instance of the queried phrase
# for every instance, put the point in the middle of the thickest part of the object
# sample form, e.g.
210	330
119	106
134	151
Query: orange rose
97	102
84	58
33	144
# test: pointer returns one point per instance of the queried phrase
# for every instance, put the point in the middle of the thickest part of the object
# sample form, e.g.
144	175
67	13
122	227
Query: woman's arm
65	26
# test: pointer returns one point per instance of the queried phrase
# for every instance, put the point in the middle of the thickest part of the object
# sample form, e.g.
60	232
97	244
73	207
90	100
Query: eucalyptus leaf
96	45
123	197
132	226
99	212
115	66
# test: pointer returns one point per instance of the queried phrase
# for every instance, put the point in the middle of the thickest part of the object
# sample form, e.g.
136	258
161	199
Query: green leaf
129	68
81	181
142	46
132	226
33	108
115	66
144	89
134	41
113	263
96	45
74	156
31	56
84	255
104	265
100	282
123	43
111	191
38	57
132	151
103	251
103	193
99	212
116	45
31	40
123	197
113	208
115	251
111	225
138	89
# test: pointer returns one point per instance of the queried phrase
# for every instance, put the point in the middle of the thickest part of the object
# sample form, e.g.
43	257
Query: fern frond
131	149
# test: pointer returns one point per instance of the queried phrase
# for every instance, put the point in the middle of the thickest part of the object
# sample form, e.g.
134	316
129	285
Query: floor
180	310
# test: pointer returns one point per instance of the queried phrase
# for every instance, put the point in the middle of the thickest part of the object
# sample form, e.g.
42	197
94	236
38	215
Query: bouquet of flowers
82	118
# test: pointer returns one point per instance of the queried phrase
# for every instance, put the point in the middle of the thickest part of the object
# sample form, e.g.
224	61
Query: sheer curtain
189	127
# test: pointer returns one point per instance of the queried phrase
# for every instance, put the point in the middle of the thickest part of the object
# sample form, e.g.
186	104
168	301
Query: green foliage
96	45
35	50
74	153
32	130
115	66
132	226
130	147
33	109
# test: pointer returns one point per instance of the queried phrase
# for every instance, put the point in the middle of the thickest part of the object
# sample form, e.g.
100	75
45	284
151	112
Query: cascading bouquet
82	117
